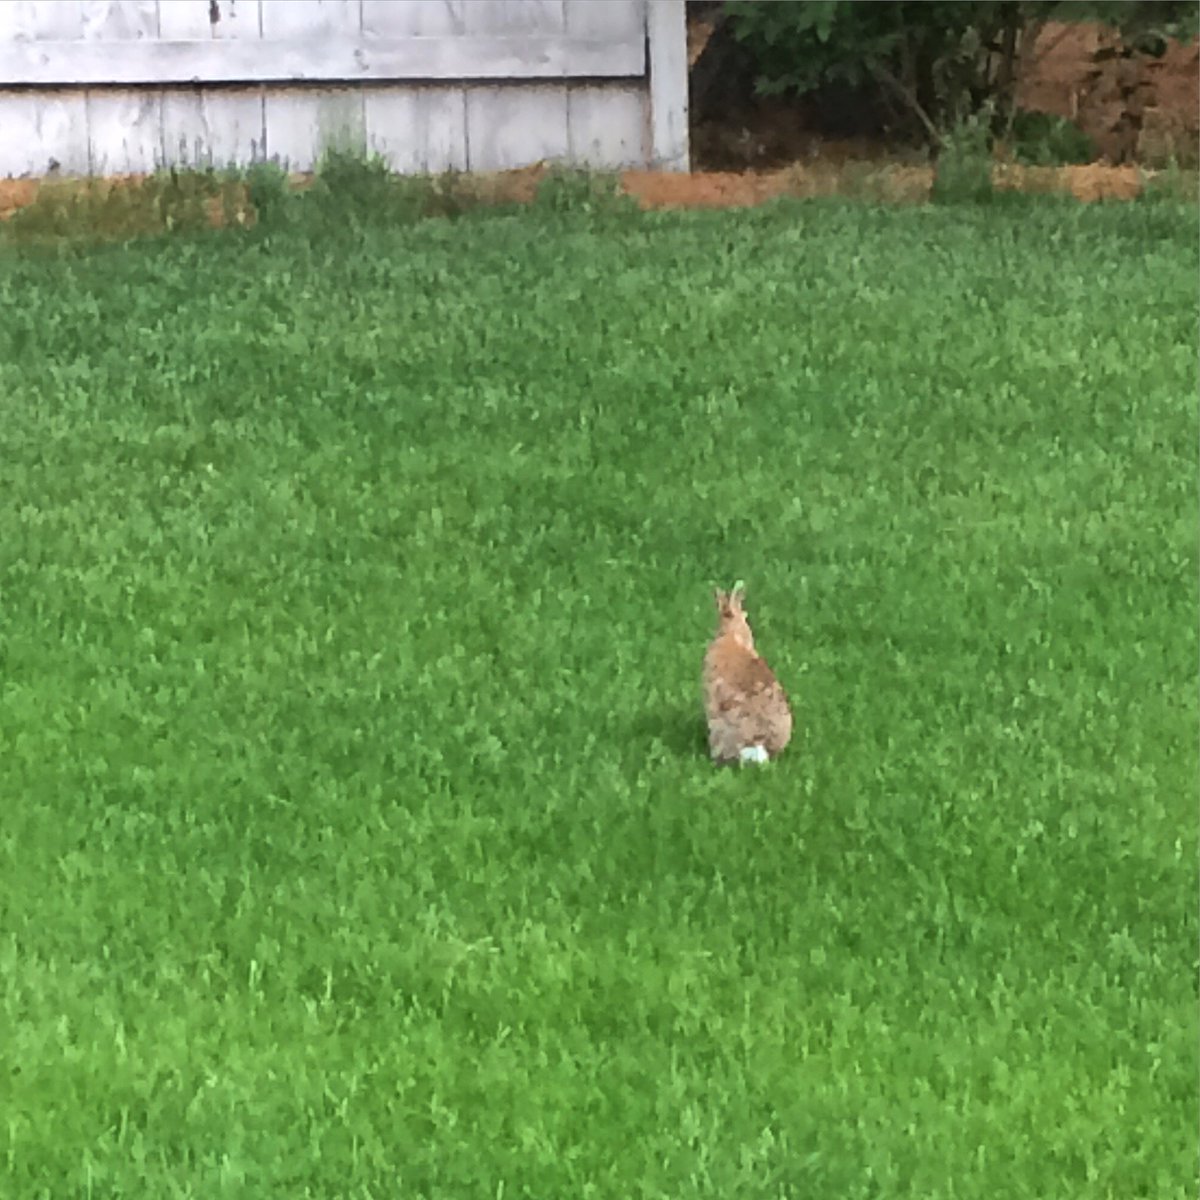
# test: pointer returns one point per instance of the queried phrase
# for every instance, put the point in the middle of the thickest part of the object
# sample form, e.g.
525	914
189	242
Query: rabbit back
745	704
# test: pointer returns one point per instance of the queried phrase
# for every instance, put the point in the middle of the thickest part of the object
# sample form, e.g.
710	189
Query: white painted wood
515	18
666	30
187	21
124	131
616	19
21	149
413	18
63	123
338	58
607	126
213	127
191	20
303	123
515	127
40	134
462	84
316	19
239	18
119	20
35	20
418	130
421	129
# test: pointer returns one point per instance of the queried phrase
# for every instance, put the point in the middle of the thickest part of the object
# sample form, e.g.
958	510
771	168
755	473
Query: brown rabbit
748	715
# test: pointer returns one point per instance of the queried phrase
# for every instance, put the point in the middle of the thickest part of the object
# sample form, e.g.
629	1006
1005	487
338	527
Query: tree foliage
931	63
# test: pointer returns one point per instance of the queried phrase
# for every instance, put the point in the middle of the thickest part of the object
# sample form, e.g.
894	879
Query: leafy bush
352	187
568	191
928	65
1174	184
268	191
1044	140
964	167
1145	25
931	64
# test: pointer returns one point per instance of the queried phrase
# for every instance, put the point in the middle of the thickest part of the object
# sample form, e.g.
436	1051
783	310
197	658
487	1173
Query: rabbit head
731	616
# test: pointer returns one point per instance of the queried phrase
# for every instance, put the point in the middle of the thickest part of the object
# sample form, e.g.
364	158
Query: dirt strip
659	189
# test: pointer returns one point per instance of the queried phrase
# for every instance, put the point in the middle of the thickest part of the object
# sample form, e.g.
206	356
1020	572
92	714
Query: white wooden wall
114	86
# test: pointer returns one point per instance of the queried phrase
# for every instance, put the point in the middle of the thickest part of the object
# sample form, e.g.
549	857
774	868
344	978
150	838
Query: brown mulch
663	190
890	183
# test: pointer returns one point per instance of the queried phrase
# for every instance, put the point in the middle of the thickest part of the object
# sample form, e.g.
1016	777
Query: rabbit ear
738	594
721	599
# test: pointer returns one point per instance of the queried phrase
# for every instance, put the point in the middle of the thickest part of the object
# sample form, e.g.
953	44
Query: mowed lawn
357	837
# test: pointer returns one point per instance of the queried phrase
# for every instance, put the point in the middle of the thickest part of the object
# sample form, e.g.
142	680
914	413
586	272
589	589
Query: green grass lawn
357	837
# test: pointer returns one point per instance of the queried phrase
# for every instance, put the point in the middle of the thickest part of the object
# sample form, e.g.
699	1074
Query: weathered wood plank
213	127
303	123
188	21
608	126
514	18
414	18
423	125
192	20
124	131
35	20
119	20
666	31
337	58
418	129
238	18
514	127
318	19
616	19
22	146
41	134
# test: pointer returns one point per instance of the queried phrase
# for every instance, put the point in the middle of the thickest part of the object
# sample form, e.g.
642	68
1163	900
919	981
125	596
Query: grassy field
357	837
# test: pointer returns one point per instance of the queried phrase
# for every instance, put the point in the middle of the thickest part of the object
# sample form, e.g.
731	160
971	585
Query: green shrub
269	193
1174	184
927	65
352	187
964	166
1044	140
580	191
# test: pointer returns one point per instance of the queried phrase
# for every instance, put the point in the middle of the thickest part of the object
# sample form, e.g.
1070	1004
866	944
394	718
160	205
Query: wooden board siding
105	86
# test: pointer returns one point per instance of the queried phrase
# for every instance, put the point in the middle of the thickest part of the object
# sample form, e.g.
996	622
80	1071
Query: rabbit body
749	719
